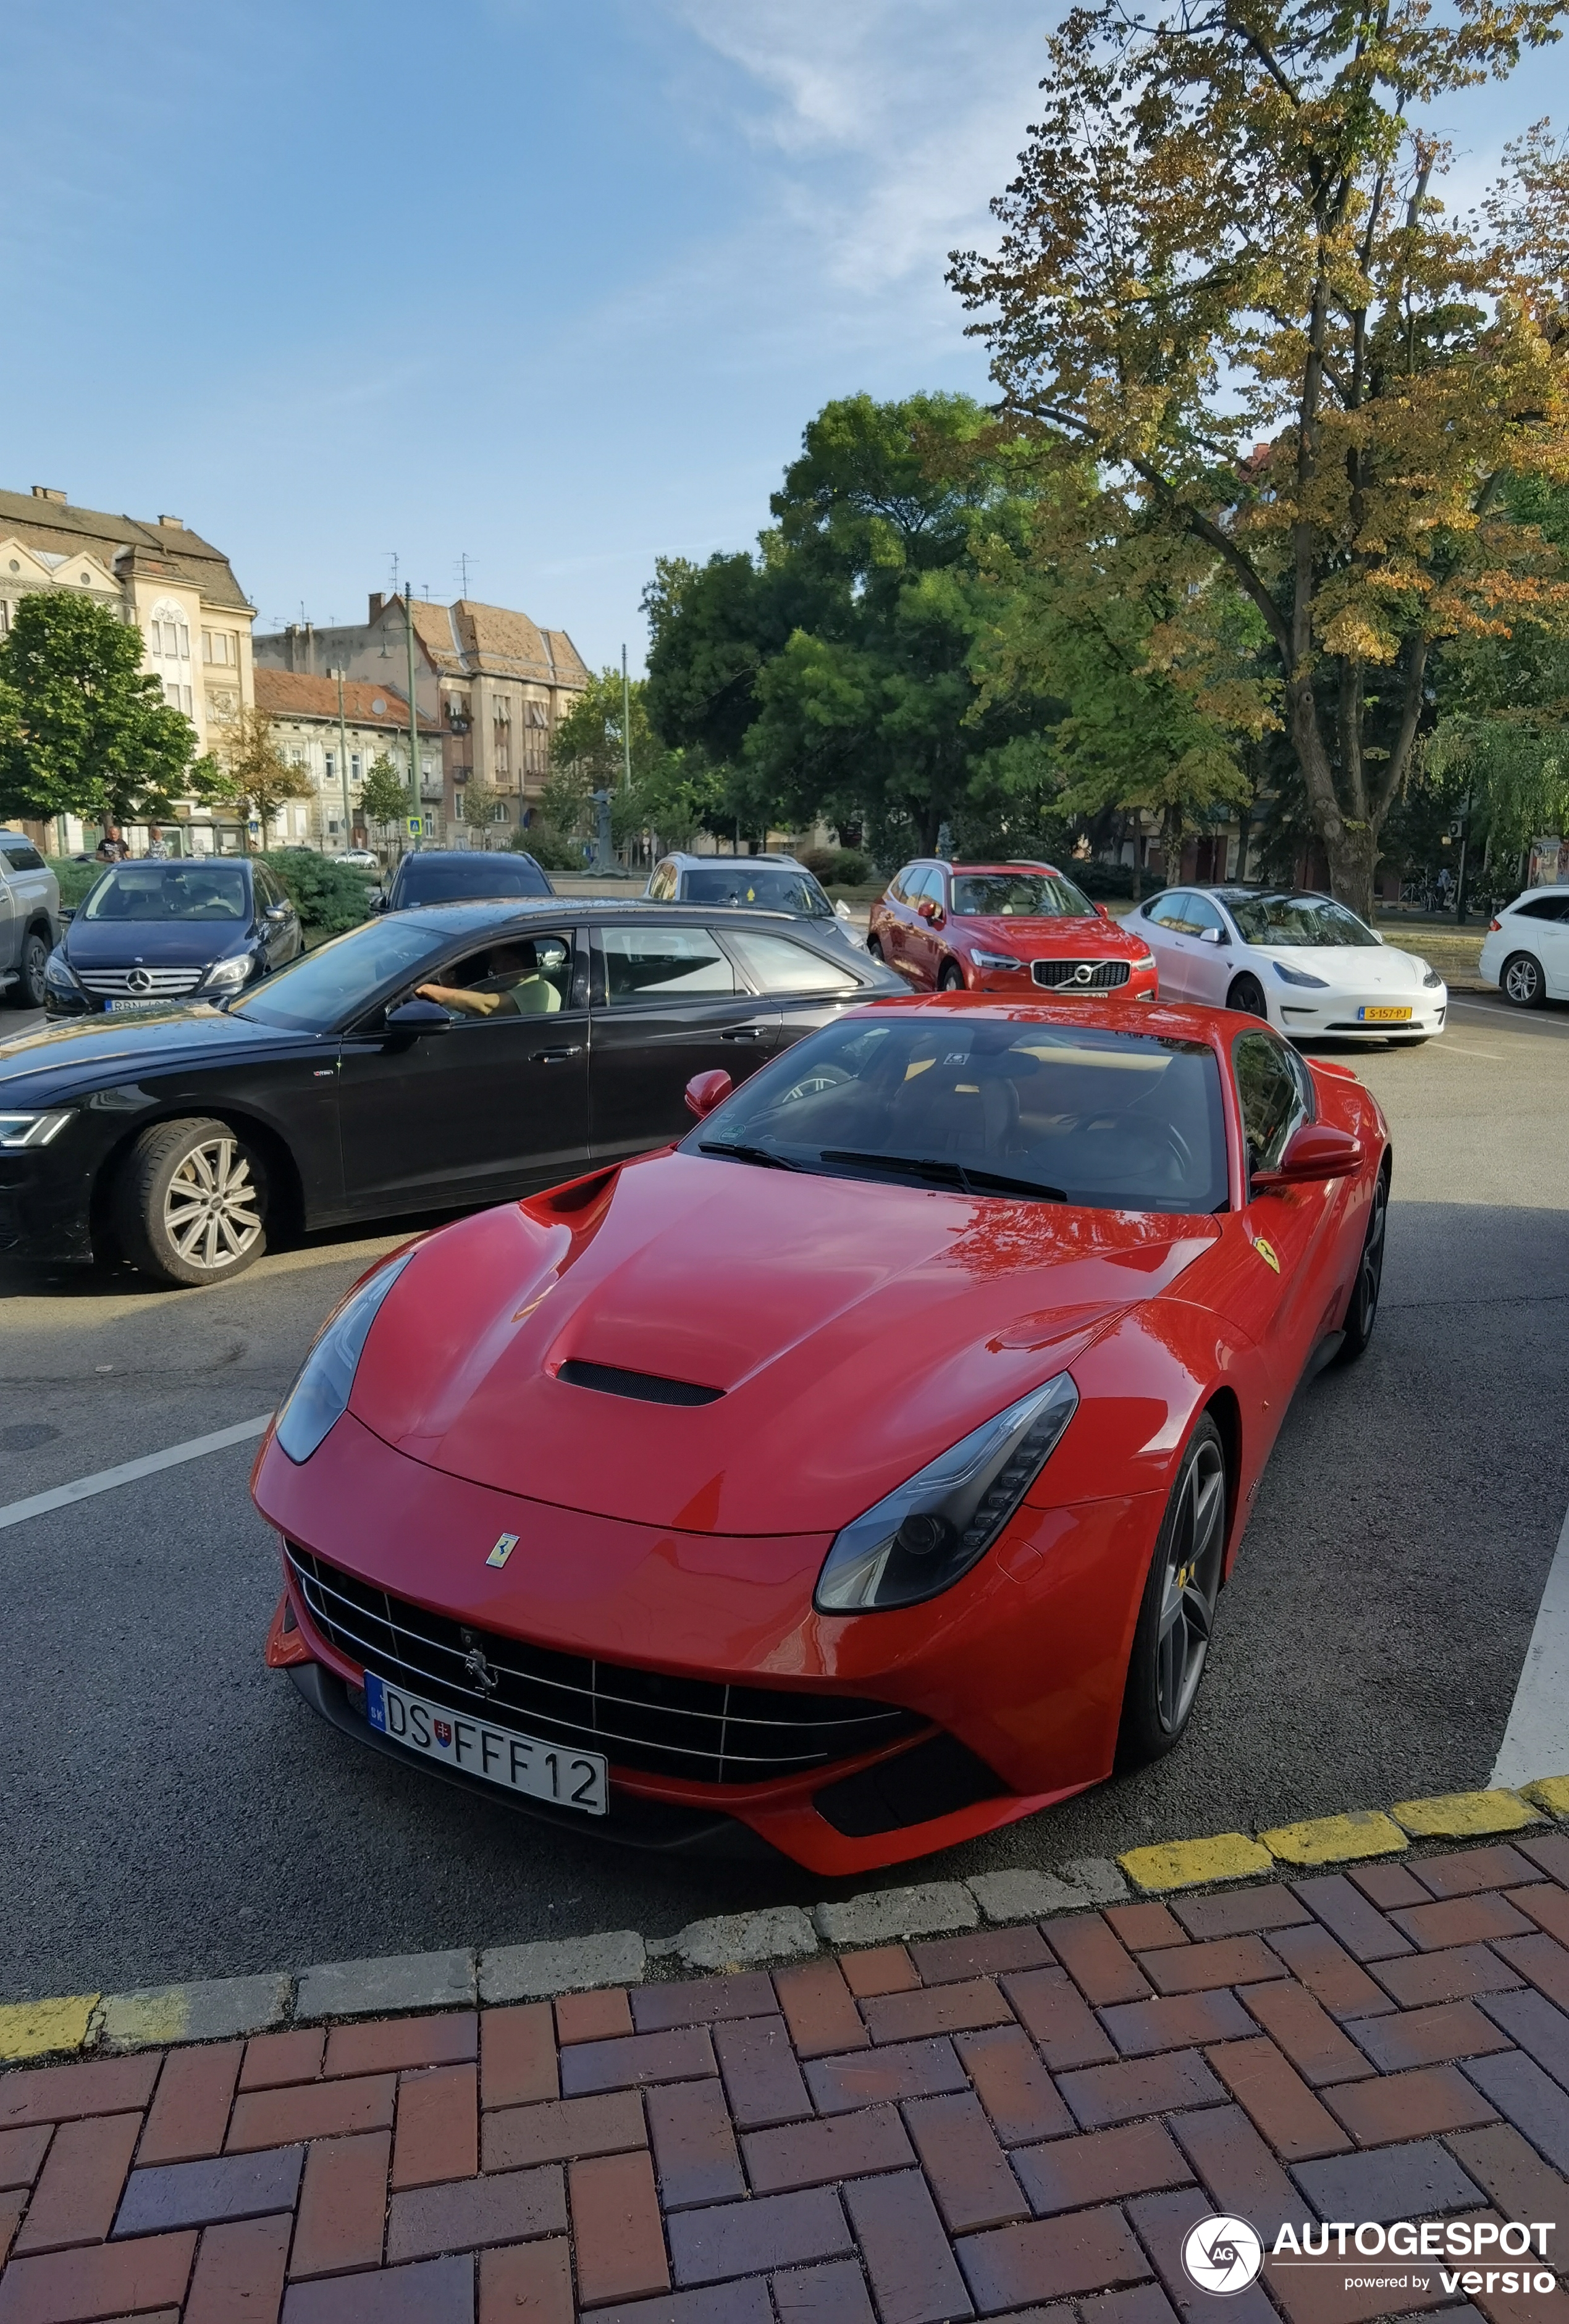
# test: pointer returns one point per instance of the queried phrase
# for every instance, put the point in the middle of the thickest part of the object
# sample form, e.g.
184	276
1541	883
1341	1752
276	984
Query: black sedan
442	875
429	1061
149	932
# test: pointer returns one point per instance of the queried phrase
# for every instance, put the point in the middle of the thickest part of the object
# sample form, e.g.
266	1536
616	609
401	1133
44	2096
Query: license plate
1383	1015
519	1763
118	1005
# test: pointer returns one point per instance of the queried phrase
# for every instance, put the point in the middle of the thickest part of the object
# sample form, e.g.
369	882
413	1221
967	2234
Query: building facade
493	684
162	578
374	724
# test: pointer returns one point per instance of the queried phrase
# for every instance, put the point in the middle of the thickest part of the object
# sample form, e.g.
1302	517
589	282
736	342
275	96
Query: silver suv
29	920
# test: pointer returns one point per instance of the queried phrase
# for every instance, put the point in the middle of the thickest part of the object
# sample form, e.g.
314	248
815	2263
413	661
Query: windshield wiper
759	1154
949	1174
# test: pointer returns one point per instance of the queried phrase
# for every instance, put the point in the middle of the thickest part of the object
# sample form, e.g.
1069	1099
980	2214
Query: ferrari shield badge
506	1546
1266	1251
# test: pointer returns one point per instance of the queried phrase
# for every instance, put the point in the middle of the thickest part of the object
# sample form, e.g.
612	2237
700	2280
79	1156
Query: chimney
377	602
46	493
170	523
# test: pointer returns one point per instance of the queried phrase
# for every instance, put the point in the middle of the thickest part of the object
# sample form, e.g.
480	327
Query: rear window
775	887
21	855
437	879
1055	1114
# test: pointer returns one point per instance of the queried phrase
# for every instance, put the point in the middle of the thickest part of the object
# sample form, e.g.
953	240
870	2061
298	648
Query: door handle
549	1057
746	1033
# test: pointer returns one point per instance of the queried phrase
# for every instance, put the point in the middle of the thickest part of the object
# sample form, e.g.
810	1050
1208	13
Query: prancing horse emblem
478	1673
1266	1251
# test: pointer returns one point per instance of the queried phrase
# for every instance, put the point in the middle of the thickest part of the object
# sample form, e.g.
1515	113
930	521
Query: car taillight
1493	927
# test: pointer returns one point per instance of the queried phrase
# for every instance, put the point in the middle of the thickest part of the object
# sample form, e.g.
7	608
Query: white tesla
1303	960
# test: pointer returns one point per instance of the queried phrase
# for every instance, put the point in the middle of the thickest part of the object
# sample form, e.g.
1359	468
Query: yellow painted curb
1551	1792
43	2029
1335	1839
1463	1815
1190	1863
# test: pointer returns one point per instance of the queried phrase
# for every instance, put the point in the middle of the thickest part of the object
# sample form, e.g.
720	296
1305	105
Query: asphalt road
172	1809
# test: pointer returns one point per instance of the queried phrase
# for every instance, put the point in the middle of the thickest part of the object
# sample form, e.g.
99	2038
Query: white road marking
1454	1049
1536	1739
82	1489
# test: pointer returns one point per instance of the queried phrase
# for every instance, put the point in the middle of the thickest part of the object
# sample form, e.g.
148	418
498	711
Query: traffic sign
415	827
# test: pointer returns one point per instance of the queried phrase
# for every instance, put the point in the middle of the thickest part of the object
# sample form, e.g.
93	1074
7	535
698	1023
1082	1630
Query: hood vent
646	1388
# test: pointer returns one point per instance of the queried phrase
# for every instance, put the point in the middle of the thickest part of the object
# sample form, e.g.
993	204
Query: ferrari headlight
922	1538
321	1394
1300	977
23	1130
228	975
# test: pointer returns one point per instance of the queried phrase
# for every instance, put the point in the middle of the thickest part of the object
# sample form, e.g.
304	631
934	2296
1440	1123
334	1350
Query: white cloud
890	122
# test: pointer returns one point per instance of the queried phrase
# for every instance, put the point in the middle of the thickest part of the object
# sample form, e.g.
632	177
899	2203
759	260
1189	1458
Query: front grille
701	1729
151	984
1080	975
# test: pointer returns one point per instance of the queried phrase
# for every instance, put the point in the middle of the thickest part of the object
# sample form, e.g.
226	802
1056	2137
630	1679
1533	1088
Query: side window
1170	911
662	886
530	977
265	892
18	857
777	964
1541	907
1201	915
1271	1096
899	886
642	964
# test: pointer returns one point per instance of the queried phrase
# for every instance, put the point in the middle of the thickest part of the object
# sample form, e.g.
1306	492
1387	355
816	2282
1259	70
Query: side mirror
705	1091
1213	936
278	911
1313	1152
1103	912
416	1016
842	909
925	909
68	913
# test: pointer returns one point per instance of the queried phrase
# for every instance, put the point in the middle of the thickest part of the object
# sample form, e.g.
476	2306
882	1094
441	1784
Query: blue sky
557	286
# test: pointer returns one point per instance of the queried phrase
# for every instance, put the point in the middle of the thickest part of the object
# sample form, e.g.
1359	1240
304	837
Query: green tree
673	793
384	795
1224	276
84	730
835	674
255	770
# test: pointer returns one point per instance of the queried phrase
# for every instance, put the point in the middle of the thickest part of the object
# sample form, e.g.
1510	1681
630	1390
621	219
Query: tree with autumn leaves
1227	282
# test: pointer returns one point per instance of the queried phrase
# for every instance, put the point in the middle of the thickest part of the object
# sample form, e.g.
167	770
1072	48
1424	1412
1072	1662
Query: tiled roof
173	550
290	694
466	640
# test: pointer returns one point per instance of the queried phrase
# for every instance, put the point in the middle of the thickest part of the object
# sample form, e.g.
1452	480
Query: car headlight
1143	967
19	1131
321	1394
921	1539
1300	977
228	975
1431	980
994	959
57	973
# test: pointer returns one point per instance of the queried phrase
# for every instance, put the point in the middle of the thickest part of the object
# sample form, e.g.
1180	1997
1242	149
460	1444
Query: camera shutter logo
1222	2256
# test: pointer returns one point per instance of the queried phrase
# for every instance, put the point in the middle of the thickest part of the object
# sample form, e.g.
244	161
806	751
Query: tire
185	1190
1176	1615
1247	996
27	992
952	979
1521	981
1363	1309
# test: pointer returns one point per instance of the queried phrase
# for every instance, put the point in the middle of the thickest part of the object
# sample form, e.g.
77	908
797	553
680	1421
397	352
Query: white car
1525	950
1302	961
363	857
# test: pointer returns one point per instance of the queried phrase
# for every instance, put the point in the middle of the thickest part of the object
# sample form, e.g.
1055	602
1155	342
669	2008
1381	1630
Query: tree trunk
1353	857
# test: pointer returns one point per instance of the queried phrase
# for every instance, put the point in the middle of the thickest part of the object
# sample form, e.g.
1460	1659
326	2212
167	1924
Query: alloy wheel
1192	1574
1523	981
210	1211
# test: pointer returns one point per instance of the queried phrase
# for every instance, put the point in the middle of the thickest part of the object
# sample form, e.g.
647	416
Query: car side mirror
278	911
1212	935
1315	1152
842	909
412	1018
926	908
68	913
705	1091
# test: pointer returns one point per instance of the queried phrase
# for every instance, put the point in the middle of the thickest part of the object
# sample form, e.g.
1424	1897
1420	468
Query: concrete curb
226	2008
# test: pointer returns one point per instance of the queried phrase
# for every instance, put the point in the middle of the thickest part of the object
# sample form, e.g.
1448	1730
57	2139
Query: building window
458	807
330	764
168	635
354	768
503	766
498	812
5	616
218	645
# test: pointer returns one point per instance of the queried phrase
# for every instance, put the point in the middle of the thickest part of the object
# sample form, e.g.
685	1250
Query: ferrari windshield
1288	919
169	892
318	991
1024	895
1064	1113
774	888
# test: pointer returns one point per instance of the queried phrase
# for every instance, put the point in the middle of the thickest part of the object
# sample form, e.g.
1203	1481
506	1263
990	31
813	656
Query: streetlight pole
343	759
625	724
414	807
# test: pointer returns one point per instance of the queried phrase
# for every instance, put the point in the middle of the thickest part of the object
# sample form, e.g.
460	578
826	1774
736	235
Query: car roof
718	862
481	910
1019	864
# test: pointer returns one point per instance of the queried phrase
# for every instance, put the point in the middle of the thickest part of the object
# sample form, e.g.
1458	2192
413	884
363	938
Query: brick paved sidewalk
1020	2122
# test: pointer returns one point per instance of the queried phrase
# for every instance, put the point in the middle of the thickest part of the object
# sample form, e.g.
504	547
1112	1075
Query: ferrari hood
810	1340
